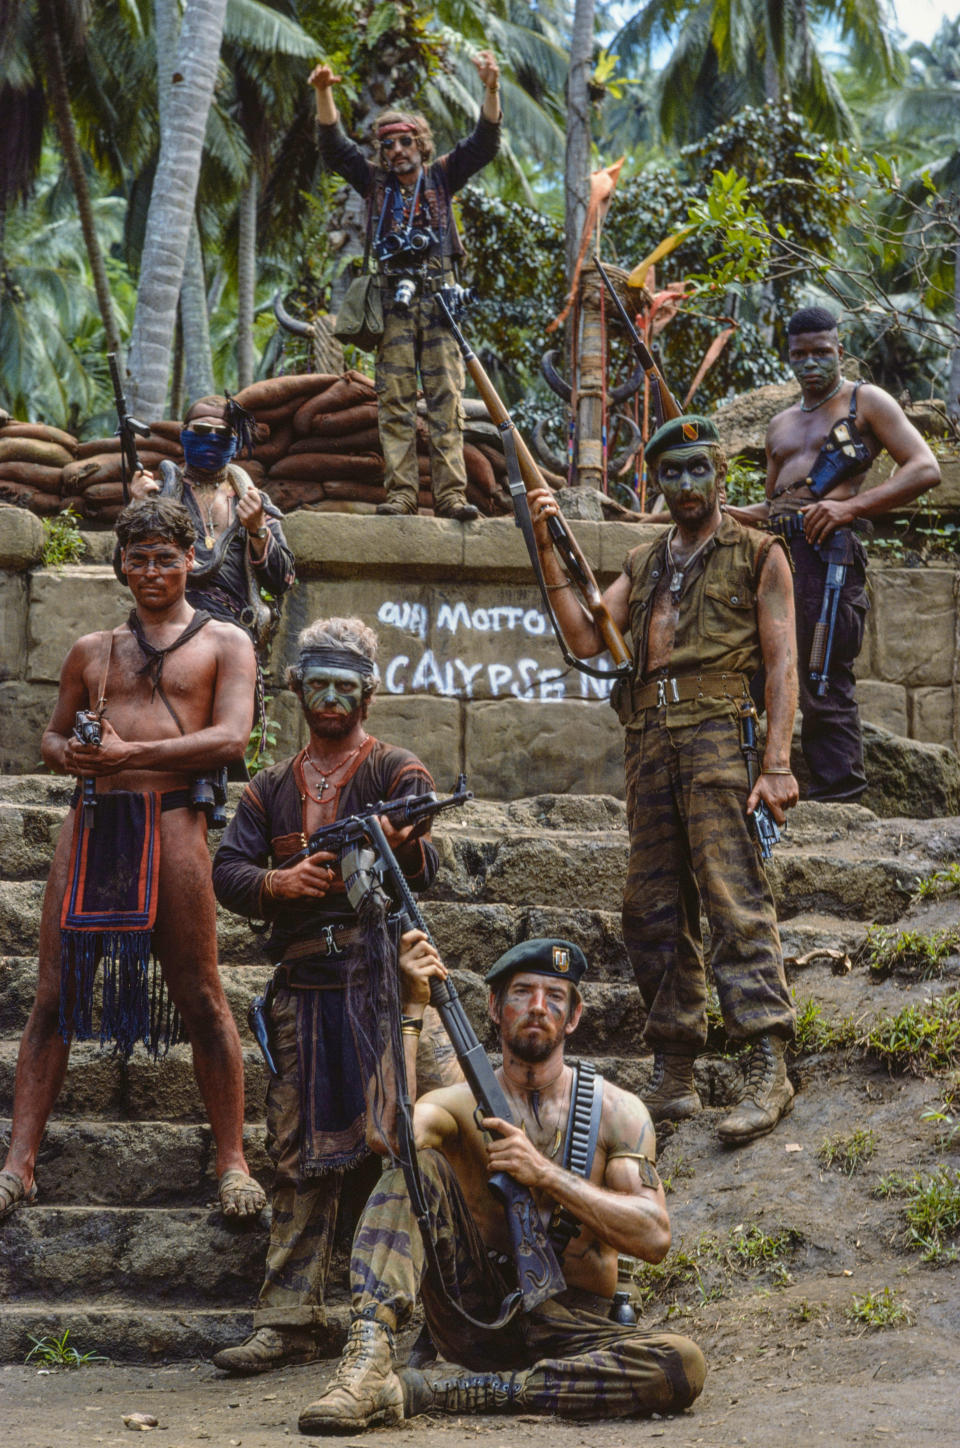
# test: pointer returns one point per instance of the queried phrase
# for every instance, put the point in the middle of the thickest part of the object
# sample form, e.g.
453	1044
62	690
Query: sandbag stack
32	458
324	446
318	446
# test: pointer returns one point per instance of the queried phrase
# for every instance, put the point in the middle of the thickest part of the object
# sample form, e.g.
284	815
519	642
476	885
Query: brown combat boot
268	1348
464	1393
365	1391
767	1093
671	1093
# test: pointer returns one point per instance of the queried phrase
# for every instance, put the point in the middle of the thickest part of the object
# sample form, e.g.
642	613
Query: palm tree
731	53
191	72
927	111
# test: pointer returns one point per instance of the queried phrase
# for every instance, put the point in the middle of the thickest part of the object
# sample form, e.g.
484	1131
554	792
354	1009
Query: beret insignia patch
690	431
561	959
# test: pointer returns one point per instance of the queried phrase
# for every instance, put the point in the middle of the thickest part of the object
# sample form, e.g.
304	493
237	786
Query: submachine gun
128	429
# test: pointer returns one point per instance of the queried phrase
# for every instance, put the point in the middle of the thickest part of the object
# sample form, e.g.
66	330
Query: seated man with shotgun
584	1149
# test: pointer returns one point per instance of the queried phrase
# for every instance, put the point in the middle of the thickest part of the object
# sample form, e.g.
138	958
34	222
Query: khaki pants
419	341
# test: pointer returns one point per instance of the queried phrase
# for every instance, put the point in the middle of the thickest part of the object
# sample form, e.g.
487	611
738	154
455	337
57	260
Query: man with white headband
316	1100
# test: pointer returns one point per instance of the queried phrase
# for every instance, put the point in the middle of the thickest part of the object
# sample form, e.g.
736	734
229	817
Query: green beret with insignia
559	958
681	432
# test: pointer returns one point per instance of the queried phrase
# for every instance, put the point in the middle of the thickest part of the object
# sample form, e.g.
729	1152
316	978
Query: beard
530	1050
333	726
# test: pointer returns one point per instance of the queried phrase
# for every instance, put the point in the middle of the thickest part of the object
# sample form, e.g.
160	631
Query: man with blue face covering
316	1102
240	547
705	604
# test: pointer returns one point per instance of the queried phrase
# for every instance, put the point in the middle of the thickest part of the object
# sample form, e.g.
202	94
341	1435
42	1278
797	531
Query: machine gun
128	430
525	476
354	829
369	866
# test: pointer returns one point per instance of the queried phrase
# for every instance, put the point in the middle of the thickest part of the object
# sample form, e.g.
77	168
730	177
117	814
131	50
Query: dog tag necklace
677	573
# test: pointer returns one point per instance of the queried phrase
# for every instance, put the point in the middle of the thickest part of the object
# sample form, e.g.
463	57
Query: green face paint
814	359
685	472
326	689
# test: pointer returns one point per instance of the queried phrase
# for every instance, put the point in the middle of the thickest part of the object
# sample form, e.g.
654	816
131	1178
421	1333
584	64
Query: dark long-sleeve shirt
446	175
270	826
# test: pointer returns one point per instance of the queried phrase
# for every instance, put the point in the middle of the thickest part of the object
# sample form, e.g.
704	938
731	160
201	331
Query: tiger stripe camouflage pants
569	1357
690	842
420	340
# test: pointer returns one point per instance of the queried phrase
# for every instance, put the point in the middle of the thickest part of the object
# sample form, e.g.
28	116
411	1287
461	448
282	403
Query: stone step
162	1255
134	1163
133	1333
100	1085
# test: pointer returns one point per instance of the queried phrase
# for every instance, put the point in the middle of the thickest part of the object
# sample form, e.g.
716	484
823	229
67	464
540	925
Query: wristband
776	771
565	584
411	1025
267	886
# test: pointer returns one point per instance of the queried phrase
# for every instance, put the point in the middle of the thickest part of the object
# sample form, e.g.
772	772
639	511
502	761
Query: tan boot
767	1093
366	1390
671	1092
267	1348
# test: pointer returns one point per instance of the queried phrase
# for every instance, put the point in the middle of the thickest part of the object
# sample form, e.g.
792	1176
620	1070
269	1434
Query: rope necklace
558	1132
804	408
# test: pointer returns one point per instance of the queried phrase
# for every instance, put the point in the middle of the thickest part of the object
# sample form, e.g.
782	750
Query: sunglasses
392	141
209	429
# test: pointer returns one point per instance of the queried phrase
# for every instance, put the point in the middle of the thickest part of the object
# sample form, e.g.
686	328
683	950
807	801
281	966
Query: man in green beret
570	1355
706	604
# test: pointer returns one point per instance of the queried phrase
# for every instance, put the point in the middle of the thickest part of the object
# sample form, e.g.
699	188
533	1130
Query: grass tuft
847	1153
879	1309
57	1352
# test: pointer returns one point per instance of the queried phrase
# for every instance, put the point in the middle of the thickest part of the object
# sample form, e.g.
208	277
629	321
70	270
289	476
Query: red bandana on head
397	128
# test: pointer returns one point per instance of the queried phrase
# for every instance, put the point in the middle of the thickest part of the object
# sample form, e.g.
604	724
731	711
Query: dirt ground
768	1385
787	1366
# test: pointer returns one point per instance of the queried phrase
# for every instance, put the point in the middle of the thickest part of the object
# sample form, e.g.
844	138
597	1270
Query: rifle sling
521	508
580	1147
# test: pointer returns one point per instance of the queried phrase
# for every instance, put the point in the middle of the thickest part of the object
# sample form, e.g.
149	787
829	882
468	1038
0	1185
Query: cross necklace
325	778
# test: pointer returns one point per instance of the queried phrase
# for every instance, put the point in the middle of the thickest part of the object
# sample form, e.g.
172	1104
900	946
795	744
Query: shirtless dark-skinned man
567	1355
174	692
705	604
819	527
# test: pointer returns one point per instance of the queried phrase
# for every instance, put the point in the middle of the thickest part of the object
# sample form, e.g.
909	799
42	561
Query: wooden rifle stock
566	545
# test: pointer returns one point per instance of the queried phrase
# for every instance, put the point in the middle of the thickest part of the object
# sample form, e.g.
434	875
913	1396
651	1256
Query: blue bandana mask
208	453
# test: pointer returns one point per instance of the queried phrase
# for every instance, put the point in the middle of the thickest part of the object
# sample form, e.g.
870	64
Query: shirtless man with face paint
705	605
316	1107
830	736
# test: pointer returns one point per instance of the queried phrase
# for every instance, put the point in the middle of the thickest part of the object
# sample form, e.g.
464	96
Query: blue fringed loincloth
108	914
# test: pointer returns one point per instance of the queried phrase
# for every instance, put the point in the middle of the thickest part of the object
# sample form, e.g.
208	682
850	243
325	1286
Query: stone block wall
472	677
